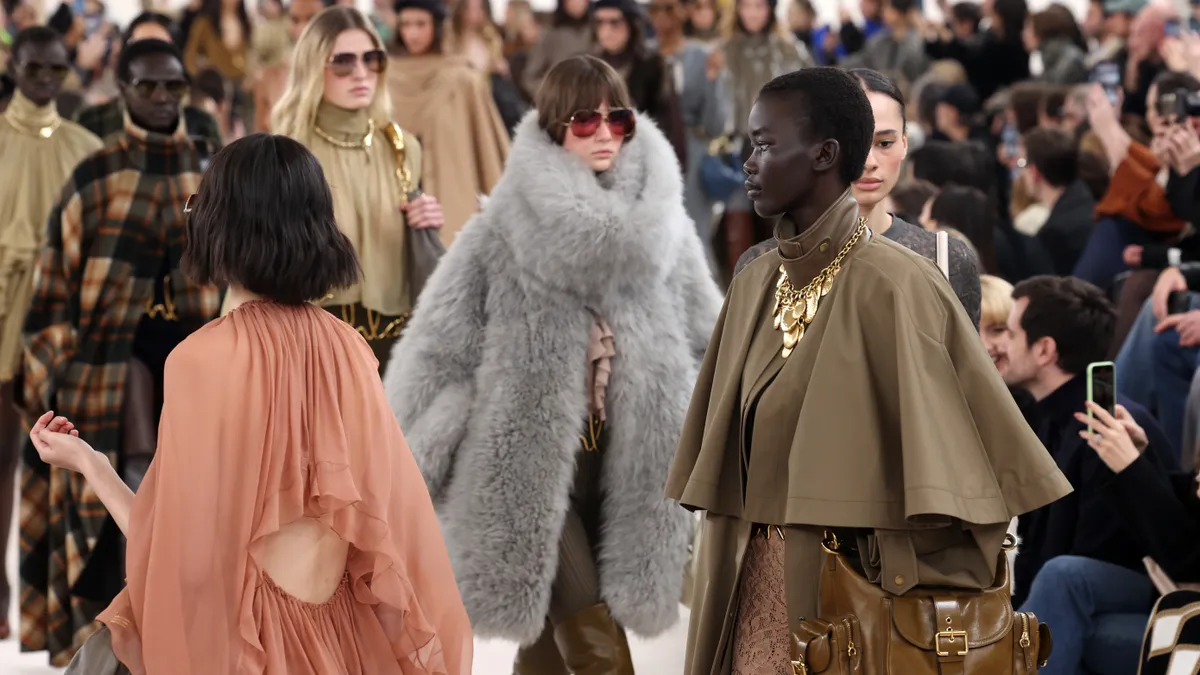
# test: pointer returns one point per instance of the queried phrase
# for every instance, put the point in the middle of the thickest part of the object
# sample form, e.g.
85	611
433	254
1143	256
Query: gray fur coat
488	382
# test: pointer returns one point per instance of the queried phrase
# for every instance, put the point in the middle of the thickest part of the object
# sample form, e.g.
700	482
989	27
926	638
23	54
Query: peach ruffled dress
275	413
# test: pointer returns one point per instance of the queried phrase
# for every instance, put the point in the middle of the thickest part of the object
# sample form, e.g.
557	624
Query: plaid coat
120	213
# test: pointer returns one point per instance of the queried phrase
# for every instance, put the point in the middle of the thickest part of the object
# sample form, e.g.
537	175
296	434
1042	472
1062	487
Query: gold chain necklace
41	132
795	309
350	145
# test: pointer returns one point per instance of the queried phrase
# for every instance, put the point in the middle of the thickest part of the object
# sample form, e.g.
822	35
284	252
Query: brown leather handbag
425	246
926	631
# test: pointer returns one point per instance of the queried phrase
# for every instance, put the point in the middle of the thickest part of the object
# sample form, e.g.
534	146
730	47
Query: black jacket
1084	523
1068	228
1162	512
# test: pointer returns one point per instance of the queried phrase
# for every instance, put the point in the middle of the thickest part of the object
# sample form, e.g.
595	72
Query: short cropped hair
996	299
830	104
137	50
575	84
263	219
34	35
1054	153
1072	312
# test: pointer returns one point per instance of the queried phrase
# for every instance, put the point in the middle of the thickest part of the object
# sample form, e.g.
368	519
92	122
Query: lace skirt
760	634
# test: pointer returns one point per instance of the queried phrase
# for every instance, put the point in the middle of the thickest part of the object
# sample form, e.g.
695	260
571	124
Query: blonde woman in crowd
441	99
334	105
545	377
993	321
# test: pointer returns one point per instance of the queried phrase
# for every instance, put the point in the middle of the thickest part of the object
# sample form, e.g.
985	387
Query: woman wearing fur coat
546	374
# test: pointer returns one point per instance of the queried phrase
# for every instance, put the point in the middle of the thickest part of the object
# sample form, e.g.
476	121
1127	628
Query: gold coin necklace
795	309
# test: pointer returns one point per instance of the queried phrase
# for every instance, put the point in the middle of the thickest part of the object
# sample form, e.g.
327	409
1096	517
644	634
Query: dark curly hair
830	104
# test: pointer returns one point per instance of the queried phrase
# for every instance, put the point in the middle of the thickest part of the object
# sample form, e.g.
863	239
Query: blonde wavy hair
296	112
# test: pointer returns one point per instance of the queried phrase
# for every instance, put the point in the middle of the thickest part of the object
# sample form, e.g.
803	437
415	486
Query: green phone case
1090	369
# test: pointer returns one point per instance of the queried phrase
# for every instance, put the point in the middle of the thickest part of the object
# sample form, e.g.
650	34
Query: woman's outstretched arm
58	444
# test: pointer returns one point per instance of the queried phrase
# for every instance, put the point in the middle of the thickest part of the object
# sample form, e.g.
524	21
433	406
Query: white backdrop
121	11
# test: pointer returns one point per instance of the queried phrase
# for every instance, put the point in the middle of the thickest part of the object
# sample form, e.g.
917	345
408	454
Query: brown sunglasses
344	63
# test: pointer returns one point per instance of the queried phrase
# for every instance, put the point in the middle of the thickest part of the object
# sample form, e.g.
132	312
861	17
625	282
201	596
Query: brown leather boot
591	643
541	657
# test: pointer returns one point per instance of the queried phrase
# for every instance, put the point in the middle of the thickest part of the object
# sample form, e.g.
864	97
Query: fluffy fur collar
629	214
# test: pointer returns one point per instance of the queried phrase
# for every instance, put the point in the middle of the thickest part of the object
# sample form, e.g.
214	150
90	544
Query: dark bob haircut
263	220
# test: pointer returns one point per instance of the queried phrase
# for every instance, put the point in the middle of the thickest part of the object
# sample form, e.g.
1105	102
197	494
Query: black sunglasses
54	71
344	63
147	88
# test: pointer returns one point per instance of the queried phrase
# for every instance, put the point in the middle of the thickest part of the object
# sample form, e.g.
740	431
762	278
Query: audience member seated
964	213
1097	610
957	115
908	199
1135	211
1018	256
1156	364
1051	176
995	306
1059	325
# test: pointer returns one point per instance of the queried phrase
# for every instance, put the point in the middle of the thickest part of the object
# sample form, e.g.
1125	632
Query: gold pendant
788	319
827	285
810	305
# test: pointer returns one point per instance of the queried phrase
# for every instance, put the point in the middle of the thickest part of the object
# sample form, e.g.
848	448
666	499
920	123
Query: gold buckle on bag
950	636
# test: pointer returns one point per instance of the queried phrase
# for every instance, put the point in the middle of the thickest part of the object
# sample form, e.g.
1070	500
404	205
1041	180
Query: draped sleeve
272	414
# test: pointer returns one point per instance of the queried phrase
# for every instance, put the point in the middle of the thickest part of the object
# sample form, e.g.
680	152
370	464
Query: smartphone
1102	386
1107	74
1011	139
1179	302
1173	28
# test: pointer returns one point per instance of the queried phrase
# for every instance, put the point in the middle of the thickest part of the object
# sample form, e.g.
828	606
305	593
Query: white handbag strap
943	253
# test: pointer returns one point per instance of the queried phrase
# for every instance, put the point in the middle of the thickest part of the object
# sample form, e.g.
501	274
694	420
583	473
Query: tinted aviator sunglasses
147	88
585	123
344	63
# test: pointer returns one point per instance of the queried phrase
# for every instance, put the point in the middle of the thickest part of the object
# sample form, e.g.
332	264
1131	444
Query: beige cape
448	106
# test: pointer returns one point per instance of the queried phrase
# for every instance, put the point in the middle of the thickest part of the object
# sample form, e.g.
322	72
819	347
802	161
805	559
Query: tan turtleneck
48	149
366	203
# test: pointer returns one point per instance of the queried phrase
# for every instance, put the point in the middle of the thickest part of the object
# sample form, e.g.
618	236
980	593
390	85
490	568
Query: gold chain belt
590	438
165	309
371	330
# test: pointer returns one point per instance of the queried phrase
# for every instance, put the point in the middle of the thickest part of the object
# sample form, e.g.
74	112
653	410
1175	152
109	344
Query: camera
1179	105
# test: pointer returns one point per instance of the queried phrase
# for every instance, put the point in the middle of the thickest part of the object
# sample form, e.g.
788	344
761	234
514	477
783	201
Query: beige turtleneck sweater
48	148
366	203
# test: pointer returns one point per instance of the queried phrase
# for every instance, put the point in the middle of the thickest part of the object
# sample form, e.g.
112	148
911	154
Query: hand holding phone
1107	74
1102	386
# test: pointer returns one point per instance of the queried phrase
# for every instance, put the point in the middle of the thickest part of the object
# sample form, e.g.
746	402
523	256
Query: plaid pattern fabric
120	214
107	120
